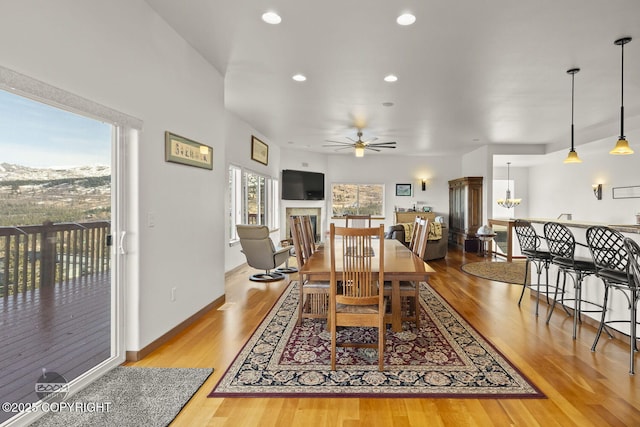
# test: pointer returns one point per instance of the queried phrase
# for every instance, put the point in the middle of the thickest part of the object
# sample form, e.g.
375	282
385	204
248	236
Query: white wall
238	137
555	187
122	55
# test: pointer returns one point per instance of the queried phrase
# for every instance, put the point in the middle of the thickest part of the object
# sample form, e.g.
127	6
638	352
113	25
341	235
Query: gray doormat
134	397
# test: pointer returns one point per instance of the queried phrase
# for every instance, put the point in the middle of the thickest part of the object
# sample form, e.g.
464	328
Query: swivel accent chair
261	253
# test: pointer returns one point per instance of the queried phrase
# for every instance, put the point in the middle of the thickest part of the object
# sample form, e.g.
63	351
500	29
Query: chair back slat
295	224
414	231
362	264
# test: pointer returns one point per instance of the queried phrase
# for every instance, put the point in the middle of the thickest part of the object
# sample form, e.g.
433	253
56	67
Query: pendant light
508	202
573	156
622	146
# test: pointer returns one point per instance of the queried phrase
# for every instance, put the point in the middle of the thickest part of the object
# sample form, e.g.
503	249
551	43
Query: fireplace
314	214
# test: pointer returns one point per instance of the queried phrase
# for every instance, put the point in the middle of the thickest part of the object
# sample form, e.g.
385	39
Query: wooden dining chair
409	290
358	221
359	301
307	231
314	296
414	231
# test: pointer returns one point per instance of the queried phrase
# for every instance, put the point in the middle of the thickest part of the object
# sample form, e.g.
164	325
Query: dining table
400	264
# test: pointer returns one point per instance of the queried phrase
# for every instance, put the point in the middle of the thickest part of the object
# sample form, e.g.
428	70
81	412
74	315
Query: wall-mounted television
302	185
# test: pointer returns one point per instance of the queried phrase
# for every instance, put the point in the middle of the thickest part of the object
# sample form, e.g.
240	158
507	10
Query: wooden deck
65	328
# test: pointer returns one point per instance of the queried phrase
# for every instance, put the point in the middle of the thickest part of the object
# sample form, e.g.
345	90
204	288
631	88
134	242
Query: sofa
436	249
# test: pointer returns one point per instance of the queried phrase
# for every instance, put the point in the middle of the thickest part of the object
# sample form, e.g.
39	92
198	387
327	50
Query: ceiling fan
359	145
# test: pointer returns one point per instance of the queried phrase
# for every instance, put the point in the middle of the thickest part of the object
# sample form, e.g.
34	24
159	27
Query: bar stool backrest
607	248
560	240
527	237
633	270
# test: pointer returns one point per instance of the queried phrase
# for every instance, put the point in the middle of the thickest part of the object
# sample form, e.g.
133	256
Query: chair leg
546	267
602	318
524	283
555	295
577	306
633	332
538	271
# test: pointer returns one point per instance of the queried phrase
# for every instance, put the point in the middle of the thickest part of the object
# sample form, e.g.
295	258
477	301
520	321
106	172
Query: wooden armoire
465	210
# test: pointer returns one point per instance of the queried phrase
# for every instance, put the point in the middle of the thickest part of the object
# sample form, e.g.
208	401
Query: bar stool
530	246
633	271
613	266
562	246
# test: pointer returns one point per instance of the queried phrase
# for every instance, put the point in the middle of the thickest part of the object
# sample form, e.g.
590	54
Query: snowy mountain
11	172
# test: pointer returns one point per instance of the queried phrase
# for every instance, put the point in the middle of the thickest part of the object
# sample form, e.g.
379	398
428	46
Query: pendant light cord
573	76
622	93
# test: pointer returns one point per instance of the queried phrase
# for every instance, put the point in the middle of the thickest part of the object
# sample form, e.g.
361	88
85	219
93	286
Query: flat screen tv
302	185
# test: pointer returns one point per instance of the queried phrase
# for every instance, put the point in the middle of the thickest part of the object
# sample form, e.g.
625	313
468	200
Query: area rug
446	357
134	397
507	272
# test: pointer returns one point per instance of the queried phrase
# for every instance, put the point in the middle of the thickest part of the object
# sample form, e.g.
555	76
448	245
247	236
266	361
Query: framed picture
259	151
403	189
178	149
631	192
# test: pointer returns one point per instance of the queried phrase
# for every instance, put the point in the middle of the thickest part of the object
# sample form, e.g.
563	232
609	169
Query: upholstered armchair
261	253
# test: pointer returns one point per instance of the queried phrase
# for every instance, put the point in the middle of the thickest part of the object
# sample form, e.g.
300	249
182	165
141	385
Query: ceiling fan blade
342	148
338	142
383	143
351	139
372	149
375	138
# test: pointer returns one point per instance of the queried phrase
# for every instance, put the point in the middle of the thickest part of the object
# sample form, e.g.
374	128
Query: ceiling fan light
359	151
572	157
622	147
271	18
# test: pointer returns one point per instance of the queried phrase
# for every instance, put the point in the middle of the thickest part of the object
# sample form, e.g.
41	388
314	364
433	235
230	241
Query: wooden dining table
399	264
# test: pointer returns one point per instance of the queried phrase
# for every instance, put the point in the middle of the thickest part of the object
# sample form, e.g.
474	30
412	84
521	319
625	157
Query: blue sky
37	135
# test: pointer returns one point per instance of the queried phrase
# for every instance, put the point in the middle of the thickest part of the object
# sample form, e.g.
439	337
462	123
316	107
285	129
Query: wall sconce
424	185
597	191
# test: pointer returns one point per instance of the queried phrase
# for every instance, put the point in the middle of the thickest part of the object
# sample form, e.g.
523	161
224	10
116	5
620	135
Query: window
358	199
253	199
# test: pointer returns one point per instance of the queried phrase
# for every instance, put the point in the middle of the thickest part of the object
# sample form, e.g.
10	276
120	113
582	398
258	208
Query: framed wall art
178	149
403	189
259	151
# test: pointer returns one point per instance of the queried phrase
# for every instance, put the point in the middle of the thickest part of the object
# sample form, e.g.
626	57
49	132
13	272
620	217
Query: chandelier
508	202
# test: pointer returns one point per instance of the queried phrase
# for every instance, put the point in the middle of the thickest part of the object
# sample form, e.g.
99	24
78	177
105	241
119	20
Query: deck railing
33	256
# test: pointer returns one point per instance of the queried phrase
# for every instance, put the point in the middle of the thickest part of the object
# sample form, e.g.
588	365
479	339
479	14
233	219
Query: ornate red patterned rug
446	357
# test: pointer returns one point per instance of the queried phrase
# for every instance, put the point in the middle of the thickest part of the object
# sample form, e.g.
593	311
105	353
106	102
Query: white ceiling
470	72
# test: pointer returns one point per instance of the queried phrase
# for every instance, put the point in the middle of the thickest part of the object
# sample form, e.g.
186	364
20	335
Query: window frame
238	187
358	185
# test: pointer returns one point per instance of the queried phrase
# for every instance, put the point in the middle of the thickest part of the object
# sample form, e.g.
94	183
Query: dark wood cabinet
465	209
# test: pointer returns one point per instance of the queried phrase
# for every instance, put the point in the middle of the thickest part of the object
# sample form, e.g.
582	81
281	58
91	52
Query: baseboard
134	356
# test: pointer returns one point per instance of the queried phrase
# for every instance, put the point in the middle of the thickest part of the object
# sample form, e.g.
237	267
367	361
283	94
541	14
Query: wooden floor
65	329
582	388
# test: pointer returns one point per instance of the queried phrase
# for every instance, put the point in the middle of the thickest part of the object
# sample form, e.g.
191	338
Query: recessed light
387	104
271	18
391	78
406	19
299	77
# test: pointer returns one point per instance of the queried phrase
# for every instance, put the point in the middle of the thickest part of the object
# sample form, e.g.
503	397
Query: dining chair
531	248
562	247
313	296
307	229
359	301
410	290
633	296
414	231
357	221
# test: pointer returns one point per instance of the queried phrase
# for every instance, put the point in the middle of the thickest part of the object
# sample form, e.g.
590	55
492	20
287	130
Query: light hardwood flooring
582	388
